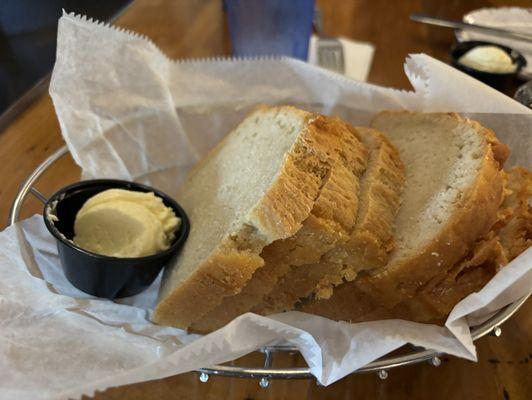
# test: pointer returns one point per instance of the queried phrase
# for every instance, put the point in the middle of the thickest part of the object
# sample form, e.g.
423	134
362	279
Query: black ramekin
99	275
500	81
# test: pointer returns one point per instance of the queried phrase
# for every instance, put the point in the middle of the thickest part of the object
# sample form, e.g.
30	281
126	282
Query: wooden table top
194	28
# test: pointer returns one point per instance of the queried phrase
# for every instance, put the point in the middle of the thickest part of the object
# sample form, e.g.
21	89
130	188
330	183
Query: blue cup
270	27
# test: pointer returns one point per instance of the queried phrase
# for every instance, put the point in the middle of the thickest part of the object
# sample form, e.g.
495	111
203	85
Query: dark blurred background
28	31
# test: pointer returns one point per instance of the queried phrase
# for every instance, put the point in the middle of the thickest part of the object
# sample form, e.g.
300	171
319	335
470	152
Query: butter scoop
124	223
488	59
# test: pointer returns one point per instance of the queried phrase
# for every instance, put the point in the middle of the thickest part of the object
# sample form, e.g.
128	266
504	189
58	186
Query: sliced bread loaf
329	222
510	236
370	238
257	186
453	191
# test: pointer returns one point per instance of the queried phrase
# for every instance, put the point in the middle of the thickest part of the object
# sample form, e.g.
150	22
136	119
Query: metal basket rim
383	364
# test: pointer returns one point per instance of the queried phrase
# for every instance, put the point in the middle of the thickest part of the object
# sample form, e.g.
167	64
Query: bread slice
510	236
331	218
257	186
437	298
370	238
516	230
454	188
349	303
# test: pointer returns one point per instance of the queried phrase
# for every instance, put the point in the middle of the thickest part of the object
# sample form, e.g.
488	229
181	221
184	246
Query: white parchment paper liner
127	111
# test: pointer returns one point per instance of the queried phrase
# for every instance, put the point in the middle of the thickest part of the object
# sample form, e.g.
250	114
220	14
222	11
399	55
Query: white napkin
357	57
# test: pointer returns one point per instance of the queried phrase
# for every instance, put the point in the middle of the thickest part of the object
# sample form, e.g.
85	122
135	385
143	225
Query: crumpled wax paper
127	111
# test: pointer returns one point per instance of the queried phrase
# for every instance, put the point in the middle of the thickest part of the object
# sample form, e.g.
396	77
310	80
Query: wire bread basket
264	373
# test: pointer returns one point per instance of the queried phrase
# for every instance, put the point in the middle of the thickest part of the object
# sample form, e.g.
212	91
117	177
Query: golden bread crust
473	217
335	208
370	238
279	214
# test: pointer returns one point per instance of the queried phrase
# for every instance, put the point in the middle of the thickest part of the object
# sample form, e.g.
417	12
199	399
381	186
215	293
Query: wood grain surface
197	28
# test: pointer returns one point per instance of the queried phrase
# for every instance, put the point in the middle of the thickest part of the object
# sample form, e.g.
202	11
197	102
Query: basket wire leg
497	331
383	374
382	366
268	360
203	377
435	361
